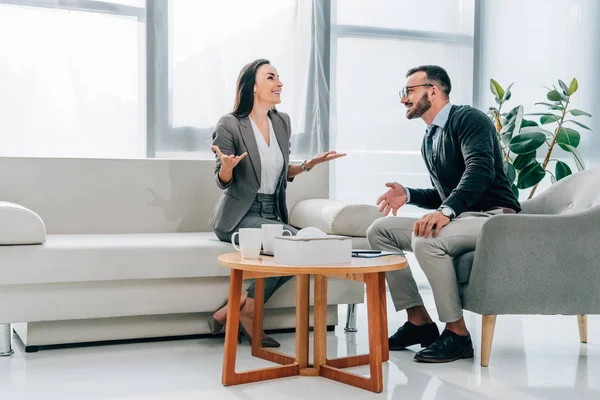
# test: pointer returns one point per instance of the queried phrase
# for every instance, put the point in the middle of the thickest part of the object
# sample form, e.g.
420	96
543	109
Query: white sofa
128	252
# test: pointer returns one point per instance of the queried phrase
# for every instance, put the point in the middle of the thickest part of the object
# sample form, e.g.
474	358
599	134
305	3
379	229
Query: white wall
534	43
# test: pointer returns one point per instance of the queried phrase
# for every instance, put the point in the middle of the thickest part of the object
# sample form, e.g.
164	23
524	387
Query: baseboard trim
35	349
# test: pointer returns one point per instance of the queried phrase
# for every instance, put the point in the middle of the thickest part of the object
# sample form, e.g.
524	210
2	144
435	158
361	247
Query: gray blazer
235	136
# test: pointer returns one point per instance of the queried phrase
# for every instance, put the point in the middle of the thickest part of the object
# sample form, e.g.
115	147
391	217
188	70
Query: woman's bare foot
221	314
246	317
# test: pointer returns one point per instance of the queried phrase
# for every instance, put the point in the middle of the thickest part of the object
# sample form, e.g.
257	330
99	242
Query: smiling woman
252	148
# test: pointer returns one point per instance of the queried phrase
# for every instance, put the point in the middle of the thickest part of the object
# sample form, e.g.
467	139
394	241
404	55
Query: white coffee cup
250	242
269	232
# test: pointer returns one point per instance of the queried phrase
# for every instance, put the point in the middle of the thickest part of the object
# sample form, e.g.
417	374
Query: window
72	82
208	46
369	63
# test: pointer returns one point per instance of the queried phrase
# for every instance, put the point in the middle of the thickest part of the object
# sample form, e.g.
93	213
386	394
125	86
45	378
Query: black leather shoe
448	347
410	334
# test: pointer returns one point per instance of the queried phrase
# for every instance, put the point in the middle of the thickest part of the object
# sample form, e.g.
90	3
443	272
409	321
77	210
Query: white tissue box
331	249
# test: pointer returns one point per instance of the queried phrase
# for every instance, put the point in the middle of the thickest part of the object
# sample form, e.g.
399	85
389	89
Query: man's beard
419	108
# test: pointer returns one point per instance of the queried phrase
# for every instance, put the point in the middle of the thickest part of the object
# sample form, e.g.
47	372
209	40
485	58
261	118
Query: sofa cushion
335	217
95	257
20	225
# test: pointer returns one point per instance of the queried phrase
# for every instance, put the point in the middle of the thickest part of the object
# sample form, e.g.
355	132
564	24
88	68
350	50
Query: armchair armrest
537	264
19	225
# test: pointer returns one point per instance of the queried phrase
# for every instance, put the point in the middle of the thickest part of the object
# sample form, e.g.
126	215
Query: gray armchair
544	260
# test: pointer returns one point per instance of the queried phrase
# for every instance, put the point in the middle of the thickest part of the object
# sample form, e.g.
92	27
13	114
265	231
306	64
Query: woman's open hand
228	163
324	157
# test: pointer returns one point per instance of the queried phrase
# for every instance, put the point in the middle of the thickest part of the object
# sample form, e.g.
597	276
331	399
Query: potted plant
526	161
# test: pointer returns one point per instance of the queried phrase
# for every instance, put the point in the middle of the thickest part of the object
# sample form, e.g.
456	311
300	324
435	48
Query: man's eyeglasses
404	90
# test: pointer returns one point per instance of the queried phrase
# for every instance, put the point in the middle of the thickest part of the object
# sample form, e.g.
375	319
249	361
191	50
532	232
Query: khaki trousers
434	256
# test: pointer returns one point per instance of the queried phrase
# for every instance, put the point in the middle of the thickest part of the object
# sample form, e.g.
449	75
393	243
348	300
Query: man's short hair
435	74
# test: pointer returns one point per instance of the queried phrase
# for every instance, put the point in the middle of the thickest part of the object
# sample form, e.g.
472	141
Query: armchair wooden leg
582	322
488	323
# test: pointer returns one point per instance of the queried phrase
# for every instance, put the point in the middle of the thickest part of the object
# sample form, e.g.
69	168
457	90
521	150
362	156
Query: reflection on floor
533	357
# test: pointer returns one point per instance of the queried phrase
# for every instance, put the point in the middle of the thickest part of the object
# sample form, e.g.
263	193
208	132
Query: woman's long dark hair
244	92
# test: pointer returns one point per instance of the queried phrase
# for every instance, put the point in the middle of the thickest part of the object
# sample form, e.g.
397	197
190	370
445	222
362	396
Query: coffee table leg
231	327
374	315
230	377
320	322
302	319
257	322
332	368
385	352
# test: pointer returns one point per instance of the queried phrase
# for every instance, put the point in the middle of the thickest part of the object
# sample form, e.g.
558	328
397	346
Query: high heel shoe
266	342
214	325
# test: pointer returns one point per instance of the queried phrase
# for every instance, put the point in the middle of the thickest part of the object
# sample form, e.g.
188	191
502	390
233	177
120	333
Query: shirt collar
442	117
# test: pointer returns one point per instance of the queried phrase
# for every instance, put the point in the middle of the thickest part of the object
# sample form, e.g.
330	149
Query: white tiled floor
532	358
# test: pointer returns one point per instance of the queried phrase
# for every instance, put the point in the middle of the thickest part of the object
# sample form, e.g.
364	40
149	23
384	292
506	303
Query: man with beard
464	160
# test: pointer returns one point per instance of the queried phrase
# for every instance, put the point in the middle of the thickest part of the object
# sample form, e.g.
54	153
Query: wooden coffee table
371	271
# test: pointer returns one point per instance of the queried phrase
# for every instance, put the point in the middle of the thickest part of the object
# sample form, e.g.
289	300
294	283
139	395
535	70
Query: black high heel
214	326
267	342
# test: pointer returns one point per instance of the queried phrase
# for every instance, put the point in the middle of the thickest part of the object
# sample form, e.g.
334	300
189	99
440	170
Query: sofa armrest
19	225
335	217
537	264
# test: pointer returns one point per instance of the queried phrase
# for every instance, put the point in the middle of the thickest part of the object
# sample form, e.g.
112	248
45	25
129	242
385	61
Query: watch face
446	212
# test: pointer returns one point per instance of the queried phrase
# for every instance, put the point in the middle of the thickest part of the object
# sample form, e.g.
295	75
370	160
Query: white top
271	159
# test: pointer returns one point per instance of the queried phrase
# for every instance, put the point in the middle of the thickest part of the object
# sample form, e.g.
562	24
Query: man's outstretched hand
393	199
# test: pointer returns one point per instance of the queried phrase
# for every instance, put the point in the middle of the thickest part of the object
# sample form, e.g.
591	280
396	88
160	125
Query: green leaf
563	86
579	123
513	126
518	120
526	142
554	95
515	190
531	175
573	87
523	160
578	113
577	157
508	128
510	171
549	118
510	116
531	129
552	106
562	170
526	122
507	92
496	89
568	136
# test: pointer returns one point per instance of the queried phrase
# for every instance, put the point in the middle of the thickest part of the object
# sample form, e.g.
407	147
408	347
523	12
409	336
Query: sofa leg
5	340
351	319
582	322
488	323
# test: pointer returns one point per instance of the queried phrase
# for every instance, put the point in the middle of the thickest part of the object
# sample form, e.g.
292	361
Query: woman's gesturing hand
228	163
324	157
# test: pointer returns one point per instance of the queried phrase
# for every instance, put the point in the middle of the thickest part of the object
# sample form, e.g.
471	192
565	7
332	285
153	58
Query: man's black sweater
468	166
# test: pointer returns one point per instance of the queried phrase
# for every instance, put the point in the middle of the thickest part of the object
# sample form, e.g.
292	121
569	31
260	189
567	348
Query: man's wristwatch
304	167
447	211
